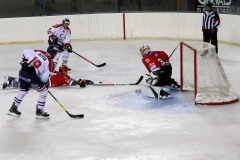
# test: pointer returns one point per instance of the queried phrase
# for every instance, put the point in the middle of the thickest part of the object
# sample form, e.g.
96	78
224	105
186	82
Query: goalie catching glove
153	78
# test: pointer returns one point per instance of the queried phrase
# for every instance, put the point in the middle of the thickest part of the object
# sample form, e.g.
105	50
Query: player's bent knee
56	58
66	56
23	93
44	93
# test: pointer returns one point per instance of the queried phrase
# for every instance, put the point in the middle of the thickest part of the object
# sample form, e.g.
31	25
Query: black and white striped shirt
210	20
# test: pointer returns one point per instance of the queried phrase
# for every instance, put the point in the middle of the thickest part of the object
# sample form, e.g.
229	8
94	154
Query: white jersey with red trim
64	35
40	61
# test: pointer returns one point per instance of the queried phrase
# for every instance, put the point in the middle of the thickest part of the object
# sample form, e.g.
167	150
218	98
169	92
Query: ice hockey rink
119	123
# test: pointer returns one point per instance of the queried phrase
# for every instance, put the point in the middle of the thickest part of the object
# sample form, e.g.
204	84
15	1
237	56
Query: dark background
28	8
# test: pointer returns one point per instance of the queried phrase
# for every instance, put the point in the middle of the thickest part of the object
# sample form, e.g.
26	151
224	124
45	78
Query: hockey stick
100	65
71	115
139	80
174	50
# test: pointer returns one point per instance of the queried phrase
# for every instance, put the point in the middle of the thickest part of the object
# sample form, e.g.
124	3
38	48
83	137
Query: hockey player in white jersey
60	34
35	71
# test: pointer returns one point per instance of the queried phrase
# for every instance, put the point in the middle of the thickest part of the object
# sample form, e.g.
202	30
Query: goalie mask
145	49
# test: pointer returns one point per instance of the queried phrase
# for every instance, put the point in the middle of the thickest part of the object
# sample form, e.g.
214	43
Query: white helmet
145	49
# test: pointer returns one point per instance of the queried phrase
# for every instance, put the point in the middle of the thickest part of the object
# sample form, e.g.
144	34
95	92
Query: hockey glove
68	47
153	77
46	84
53	39
24	64
81	83
89	82
26	67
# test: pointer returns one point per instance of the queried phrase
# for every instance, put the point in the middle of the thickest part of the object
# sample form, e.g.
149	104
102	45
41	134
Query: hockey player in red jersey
60	34
58	79
160	70
62	78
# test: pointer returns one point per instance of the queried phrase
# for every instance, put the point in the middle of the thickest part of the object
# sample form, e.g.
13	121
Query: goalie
160	73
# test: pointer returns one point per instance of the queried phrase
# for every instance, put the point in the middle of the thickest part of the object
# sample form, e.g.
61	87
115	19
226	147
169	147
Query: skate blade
165	97
42	118
13	114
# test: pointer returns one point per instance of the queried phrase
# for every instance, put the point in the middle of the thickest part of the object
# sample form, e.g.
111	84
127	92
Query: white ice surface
119	123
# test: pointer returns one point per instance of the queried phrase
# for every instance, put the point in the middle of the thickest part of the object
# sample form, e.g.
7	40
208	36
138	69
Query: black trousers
28	80
164	76
208	37
61	47
55	42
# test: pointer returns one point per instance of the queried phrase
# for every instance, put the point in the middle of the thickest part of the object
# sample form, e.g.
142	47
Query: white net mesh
212	85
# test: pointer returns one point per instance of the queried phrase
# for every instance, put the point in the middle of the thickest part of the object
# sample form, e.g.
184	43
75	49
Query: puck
100	82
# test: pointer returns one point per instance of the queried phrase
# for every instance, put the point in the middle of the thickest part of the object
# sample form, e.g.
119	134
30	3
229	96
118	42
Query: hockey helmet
209	4
53	50
145	49
66	20
63	68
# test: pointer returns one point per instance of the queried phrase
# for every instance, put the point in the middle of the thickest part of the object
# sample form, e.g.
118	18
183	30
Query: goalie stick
112	84
174	50
71	115
100	65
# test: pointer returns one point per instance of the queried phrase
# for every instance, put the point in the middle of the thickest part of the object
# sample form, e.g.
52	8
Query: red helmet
63	68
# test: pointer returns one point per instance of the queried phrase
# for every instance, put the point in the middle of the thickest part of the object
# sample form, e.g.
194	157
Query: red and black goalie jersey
153	60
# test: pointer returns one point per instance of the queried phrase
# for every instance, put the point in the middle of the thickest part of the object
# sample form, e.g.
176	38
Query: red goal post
201	71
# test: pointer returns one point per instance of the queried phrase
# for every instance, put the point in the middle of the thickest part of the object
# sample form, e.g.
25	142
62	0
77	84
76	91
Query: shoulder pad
43	52
57	25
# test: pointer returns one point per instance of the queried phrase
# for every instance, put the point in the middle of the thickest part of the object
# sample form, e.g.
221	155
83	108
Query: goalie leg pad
155	92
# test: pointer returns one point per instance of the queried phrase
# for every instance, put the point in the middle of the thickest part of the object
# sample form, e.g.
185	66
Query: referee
211	22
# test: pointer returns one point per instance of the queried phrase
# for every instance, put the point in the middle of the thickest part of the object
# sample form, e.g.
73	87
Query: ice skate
4	85
164	95
11	82
173	84
40	114
13	111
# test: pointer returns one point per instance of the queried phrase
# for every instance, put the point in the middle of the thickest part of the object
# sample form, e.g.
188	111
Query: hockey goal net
201	71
